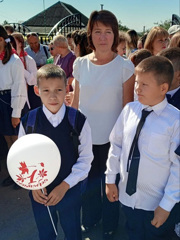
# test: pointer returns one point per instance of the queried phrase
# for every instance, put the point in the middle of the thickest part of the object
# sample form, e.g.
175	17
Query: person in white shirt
150	209
104	83
52	120
30	69
13	93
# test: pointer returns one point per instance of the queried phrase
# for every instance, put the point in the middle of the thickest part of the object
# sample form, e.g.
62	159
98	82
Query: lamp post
44	15
102	6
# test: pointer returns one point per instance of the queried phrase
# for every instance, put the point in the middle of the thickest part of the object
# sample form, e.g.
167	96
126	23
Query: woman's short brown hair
108	19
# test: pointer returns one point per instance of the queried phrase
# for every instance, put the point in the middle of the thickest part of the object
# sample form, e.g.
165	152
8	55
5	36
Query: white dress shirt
31	71
158	182
12	78
81	168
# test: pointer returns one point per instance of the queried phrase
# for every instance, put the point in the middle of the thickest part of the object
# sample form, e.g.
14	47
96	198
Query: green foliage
122	28
166	24
5	22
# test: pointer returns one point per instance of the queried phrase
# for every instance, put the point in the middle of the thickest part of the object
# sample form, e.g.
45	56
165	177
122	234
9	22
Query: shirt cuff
167	203
16	113
70	181
110	178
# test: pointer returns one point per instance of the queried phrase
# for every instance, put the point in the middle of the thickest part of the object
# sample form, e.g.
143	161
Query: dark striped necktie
134	156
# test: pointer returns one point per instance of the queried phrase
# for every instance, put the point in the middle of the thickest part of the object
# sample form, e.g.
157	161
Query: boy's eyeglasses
50	49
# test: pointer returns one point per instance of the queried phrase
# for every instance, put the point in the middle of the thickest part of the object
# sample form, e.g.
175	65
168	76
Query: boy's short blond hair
161	67
51	71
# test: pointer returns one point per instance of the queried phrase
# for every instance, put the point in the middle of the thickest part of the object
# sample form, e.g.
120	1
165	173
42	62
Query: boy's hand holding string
55	196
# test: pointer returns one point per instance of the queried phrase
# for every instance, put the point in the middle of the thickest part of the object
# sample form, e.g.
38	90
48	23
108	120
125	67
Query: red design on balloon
42	173
20	178
23	168
30	175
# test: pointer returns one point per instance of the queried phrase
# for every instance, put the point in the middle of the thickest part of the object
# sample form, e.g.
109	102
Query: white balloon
33	161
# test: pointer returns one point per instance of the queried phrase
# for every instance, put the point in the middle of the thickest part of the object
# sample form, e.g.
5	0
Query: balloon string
51	217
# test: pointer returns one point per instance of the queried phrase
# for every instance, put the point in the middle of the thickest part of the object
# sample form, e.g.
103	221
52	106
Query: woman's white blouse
101	93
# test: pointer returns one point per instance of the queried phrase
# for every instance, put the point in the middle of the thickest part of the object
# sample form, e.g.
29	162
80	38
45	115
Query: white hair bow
7	40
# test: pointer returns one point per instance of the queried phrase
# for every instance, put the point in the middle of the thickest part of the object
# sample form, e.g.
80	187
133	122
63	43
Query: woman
104	84
157	40
123	39
80	49
132	42
13	93
80	43
66	57
30	70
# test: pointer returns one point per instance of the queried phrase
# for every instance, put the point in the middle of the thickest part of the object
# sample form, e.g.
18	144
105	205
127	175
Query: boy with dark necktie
142	150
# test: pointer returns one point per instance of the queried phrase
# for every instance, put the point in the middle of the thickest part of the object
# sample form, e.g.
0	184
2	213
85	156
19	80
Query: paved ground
16	218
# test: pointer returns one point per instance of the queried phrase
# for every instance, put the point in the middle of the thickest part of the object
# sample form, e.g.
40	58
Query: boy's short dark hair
69	35
139	55
161	67
51	71
173	54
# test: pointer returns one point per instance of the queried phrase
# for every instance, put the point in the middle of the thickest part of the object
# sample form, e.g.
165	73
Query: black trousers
3	147
95	205
139	225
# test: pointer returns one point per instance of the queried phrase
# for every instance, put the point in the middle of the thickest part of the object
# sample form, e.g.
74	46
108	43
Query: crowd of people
125	92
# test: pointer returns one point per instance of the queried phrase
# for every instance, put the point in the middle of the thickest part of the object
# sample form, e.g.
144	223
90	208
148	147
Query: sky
135	14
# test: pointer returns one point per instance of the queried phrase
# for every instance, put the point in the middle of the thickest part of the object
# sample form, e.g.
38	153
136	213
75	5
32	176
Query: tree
5	22
122	28
166	24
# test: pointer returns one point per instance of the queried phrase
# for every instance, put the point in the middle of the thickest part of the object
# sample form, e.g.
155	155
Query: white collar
158	108
172	92
59	115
